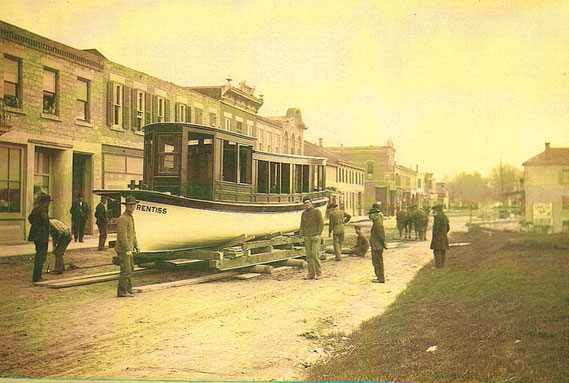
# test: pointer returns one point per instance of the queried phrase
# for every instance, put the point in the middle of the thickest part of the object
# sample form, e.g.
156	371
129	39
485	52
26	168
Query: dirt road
268	328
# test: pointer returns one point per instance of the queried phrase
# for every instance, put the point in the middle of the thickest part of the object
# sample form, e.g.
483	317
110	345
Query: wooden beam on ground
295	263
263	269
185	282
247	275
87	280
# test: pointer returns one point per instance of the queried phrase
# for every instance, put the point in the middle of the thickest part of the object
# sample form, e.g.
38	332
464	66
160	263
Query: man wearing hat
338	218
439	243
362	244
377	241
124	247
102	219
79	214
311	226
39	233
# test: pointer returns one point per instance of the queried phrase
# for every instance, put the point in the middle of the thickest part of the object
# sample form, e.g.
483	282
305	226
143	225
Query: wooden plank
248	275
185	282
202	254
256	259
87	280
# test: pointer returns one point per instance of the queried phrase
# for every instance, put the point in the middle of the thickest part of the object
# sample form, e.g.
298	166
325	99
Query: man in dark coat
79	214
377	241
439	243
39	233
102	219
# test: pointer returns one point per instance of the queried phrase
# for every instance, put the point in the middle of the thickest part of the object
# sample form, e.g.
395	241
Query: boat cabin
208	163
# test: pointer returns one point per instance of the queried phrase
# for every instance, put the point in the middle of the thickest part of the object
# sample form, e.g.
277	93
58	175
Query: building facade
343	177
546	185
71	121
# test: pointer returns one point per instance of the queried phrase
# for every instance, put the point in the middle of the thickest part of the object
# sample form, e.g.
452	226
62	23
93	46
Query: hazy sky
457	85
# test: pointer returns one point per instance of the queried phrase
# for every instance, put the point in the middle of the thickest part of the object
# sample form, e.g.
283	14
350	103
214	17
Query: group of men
312	225
42	227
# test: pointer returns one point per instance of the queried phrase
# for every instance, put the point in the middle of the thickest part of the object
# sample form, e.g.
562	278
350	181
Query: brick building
72	122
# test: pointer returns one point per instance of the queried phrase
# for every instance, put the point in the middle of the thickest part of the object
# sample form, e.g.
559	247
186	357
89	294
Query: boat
204	186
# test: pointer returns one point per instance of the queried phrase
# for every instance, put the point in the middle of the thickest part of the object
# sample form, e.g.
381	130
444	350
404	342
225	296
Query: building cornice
31	40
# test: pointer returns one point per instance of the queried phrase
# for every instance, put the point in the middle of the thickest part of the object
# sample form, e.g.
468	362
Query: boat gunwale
154	196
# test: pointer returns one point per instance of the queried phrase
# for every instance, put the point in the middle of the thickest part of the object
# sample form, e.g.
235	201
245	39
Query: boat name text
152	209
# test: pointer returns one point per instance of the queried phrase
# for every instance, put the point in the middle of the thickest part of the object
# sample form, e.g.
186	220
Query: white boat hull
162	226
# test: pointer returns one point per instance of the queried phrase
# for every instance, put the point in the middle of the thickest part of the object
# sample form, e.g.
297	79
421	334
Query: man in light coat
126	244
338	218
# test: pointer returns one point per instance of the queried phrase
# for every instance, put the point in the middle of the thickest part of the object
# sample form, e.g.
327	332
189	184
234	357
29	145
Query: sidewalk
28	248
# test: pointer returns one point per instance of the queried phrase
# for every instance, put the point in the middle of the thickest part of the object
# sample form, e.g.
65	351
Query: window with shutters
199	116
49	91
12	82
139	109
83	102
181	111
116	104
160	109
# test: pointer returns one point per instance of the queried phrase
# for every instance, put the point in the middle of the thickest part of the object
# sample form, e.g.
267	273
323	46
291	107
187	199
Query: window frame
85	105
52	108
15	100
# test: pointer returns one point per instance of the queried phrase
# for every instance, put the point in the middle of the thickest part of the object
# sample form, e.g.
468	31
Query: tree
469	189
504	179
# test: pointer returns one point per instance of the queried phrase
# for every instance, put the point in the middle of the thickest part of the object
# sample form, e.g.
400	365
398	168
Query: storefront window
10	180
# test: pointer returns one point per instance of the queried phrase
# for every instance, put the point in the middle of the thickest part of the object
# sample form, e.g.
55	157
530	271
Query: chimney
321	142
547	146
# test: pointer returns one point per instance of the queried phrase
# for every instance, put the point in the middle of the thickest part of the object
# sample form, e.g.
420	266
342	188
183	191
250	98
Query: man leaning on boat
125	245
311	226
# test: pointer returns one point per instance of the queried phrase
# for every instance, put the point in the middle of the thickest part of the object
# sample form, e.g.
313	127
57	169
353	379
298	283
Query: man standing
377	240
362	243
311	226
338	218
102	219
439	243
39	233
61	235
79	214
125	245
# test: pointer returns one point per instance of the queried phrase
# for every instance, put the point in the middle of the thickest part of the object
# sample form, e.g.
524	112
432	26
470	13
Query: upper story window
140	108
261	134
228	123
160	109
117	104
212	119
199	116
181	112
83	102
239	126
12	82
369	171
564	176
49	91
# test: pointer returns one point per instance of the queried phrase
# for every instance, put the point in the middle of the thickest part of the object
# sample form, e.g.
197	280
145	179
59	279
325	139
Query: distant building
282	134
546	184
344	177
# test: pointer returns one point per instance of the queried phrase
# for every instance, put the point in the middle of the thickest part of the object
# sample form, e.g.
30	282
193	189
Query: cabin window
168	154
262	177
245	164
230	161
298	178
285	178
275	177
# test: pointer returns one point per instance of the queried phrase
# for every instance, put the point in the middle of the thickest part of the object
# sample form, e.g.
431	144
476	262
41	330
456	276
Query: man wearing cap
311	226
79	214
338	218
124	247
439	243
377	241
61	236
362	243
39	233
